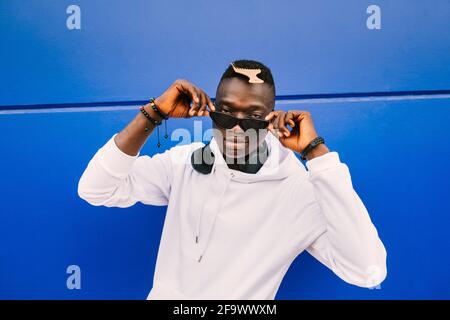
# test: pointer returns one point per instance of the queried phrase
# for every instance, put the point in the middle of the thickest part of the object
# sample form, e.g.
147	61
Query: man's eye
257	116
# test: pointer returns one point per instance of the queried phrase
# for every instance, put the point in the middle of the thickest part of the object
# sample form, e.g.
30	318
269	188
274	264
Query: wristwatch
314	143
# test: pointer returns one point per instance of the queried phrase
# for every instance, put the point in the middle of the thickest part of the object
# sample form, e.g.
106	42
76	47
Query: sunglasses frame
240	121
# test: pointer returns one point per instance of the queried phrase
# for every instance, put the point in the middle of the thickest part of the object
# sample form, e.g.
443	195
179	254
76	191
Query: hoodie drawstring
213	222
200	215
197	232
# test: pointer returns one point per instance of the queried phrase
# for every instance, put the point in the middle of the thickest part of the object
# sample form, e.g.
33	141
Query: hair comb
250	73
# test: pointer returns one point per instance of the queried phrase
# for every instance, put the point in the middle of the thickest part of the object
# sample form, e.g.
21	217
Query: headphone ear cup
202	159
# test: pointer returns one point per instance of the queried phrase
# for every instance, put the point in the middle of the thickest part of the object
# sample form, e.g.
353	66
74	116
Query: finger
271	128
290	119
274	124
280	124
283	128
304	117
195	102
189	89
274	121
205	111
286	124
210	104
202	103
271	115
299	114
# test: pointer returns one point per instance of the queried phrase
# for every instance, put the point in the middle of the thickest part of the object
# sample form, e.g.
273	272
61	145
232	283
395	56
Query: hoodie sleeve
348	242
115	179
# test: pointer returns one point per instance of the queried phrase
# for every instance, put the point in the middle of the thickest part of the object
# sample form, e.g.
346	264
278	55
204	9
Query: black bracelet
162	115
156	109
145	113
155	122
314	143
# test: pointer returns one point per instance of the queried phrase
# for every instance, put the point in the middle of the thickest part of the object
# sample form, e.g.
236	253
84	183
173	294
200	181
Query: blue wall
125	52
379	97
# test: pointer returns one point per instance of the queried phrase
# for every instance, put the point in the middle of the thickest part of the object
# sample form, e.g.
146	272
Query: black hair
265	73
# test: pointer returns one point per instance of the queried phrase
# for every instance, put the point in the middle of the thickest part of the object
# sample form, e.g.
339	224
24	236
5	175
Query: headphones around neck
202	159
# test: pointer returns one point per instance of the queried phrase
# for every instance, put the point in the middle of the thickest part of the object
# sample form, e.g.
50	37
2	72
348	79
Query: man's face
243	100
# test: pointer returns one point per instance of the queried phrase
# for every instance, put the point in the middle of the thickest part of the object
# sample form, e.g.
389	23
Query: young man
242	207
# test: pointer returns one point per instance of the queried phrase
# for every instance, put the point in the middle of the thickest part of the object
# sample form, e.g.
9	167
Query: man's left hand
301	134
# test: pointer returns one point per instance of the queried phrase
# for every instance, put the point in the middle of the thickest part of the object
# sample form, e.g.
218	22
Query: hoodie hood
281	162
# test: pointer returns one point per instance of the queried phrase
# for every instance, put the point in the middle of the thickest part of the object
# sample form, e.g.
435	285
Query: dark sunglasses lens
222	120
254	124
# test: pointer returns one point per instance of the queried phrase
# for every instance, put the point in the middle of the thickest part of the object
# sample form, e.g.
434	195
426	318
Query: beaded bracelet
161	114
145	113
156	109
155	122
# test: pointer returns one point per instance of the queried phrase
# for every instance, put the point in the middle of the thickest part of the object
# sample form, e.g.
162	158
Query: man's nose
237	129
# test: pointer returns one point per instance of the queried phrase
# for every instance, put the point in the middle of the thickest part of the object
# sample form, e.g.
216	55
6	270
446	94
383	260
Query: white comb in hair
250	73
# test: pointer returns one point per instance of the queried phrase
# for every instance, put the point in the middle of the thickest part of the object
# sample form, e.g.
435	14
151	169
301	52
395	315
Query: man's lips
236	140
241	138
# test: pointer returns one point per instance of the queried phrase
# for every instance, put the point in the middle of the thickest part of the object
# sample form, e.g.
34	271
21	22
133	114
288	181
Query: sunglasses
227	121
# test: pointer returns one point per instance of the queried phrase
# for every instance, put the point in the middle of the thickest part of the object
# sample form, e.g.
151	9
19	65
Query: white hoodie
233	235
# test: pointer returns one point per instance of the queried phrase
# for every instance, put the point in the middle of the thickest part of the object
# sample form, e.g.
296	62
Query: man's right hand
184	100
